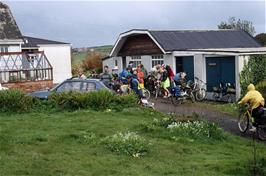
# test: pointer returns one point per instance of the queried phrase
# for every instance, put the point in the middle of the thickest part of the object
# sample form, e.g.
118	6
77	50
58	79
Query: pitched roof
34	42
185	40
8	26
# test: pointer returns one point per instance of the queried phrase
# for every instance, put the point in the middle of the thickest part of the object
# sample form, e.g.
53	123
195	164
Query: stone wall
30	86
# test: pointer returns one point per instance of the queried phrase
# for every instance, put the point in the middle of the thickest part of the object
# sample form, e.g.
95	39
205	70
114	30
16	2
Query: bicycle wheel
201	94
243	122
262	132
146	93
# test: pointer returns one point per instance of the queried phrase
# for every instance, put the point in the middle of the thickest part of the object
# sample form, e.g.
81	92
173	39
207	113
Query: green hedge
14	100
261	87
99	100
78	100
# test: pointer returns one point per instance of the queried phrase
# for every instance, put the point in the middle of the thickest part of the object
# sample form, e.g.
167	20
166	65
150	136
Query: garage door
186	64
220	69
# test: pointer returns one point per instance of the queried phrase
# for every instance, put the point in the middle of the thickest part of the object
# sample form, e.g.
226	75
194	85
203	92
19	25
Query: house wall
30	86
169	59
146	61
14	48
60	58
200	67
108	62
239	65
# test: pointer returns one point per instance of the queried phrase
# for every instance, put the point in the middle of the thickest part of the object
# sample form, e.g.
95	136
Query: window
89	86
157	60
116	64
69	86
136	61
3	49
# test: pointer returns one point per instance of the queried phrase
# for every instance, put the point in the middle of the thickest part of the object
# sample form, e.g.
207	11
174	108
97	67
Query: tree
261	38
254	71
238	24
93	61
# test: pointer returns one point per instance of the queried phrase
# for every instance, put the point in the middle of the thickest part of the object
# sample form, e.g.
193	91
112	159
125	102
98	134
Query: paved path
225	121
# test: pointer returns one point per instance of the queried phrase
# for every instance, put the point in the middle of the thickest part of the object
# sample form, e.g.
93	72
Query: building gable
140	44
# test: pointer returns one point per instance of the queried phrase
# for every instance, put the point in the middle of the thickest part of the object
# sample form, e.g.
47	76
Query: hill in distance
79	54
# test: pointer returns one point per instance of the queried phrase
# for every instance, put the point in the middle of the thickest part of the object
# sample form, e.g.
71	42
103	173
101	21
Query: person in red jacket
140	76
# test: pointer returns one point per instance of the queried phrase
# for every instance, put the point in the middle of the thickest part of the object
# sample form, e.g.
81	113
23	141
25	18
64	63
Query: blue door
186	64
220	69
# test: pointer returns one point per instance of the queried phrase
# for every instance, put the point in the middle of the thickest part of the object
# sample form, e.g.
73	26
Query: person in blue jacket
123	76
134	84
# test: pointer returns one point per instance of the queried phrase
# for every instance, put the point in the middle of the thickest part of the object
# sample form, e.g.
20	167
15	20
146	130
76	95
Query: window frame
136	60
3	49
157	59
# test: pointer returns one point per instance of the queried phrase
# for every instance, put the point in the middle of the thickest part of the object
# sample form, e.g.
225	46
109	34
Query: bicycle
245	121
225	92
199	89
125	89
180	96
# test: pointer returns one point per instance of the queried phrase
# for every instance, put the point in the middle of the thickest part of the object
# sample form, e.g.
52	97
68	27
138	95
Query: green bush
80	100
128	143
98	100
261	87
124	101
253	72
14	100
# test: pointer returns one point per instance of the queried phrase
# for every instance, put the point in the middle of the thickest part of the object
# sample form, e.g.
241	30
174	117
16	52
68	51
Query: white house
58	54
214	56
30	63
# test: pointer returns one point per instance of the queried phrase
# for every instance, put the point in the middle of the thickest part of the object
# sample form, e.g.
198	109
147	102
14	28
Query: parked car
73	84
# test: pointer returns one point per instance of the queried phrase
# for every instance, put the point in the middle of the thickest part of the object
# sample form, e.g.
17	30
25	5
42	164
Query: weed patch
129	143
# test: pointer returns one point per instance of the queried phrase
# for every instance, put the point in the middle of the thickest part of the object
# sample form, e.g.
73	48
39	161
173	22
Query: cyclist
134	85
165	82
106	77
256	101
123	75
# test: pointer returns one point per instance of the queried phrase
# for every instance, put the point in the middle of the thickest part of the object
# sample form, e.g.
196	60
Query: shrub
167	120
261	87
14	100
128	143
93	61
124	101
196	129
253	72
79	100
98	100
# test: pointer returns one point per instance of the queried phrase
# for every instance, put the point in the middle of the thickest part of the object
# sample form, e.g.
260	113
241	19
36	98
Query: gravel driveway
224	120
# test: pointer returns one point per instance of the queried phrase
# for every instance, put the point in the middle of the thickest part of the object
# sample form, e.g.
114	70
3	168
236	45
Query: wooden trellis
20	66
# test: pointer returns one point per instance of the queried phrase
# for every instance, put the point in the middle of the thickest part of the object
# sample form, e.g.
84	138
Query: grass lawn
58	143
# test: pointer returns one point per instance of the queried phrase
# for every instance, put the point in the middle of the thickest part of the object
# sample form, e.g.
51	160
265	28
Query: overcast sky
99	23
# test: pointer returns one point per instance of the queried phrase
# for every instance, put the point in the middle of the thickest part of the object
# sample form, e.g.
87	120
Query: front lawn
70	143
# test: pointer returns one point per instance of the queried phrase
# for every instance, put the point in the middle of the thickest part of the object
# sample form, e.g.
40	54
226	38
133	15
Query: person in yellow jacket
256	101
